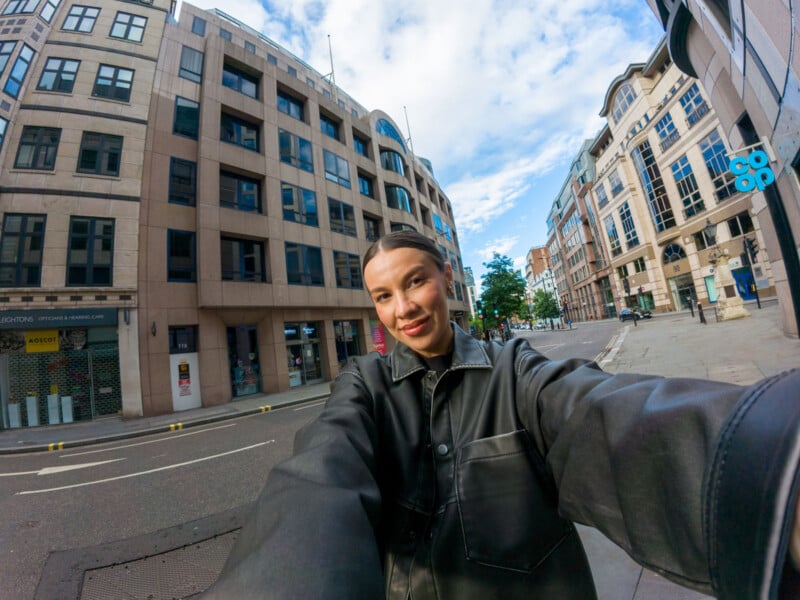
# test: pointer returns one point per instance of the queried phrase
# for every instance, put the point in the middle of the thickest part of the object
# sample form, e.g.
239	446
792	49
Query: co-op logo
761	175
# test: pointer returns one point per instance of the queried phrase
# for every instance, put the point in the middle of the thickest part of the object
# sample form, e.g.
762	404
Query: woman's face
410	295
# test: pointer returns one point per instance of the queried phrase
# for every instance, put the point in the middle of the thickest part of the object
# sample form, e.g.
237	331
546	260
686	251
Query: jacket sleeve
312	530
695	479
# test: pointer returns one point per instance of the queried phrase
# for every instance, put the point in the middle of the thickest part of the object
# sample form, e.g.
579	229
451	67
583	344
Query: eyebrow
411	272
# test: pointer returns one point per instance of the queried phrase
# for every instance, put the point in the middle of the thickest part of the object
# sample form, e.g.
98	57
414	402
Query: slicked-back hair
404	239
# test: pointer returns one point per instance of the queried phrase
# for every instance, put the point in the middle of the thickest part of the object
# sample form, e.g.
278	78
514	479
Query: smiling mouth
415	328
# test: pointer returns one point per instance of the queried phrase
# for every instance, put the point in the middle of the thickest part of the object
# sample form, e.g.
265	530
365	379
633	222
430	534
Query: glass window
90	256
295	151
182	181
702	241
392	161
639	265
291	70
182	339
199	26
58	75
365	186
337	168
616	183
348	270
342	216
239	192
372	228
191	64
386	129
740	224
299	205
19	71
406	227
290	105
49	9
622	100
329	127
100	154
650	176
716	157
602	197
6	50
238	131
225	34
20	7
310	83
21	249
128	27
243	260
3	128
694	105
360	145
397	197
673	253
613	237
181	256
687	187
38	147
667	134
631	239
80	18
238	80
250	47
303	265
187	117
113	83
622	271
272	60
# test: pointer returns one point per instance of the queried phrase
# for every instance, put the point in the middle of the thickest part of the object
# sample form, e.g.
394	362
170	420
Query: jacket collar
468	353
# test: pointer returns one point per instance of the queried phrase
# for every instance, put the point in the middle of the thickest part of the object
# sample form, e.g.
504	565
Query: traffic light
480	309
751	248
496	311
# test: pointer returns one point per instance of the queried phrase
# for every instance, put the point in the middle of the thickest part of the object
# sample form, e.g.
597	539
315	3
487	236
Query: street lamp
729	304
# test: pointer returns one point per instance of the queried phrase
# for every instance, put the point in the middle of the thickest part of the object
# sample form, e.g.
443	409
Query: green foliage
545	305
503	290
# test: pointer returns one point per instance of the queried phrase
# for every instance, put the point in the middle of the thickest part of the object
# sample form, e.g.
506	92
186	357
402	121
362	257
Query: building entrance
302	353
347	340
243	360
683	292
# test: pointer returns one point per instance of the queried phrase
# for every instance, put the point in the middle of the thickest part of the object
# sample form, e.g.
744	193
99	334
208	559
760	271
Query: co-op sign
55	319
752	170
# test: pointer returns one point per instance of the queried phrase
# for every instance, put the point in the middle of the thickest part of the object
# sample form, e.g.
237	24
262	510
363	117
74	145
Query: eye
380	297
415	281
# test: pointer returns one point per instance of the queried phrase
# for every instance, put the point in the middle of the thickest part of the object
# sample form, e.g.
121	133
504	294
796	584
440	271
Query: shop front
303	352
243	360
58	366
347	340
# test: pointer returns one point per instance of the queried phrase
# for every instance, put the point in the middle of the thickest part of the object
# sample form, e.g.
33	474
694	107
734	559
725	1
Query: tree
545	305
503	290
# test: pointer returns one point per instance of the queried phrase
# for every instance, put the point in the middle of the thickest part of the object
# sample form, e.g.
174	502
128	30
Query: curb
177	426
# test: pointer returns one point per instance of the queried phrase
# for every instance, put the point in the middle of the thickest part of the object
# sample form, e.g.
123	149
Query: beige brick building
184	207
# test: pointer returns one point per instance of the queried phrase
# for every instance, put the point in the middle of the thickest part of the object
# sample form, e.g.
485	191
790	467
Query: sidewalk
673	344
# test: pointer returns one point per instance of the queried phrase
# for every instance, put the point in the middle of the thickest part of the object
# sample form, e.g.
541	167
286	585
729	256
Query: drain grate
179	573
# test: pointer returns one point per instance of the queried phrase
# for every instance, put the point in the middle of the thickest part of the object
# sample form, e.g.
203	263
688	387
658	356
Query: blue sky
499	93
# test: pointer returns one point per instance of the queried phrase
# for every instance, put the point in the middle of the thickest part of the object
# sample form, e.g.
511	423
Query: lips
416	328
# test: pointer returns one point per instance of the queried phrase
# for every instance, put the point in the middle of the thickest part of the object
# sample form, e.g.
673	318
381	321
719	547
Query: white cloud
501	246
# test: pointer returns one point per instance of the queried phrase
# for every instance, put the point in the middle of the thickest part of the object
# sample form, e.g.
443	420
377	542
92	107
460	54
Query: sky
499	94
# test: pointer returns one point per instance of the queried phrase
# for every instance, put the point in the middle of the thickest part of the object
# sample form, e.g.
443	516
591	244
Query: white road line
148	472
311	405
54	470
171	437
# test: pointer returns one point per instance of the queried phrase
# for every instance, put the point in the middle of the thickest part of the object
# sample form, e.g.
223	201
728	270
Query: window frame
240	76
370	185
339	164
116	88
299	210
58	79
175	118
27	240
6	51
16	79
80	18
295	150
348	275
239	127
186	67
329	126
49	10
89	263
173	270
688	190
305	274
338	213
41	150
105	146
20	7
240	195
198	26
240	254
179	192
132	26
291	105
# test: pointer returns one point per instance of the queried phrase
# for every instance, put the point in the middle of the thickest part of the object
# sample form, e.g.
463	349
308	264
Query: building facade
662	176
743	55
184	208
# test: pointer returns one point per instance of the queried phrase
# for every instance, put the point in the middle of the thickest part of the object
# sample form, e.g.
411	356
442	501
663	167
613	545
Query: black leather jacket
466	486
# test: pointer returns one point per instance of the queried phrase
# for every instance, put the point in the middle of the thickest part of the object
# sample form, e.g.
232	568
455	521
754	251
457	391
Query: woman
453	469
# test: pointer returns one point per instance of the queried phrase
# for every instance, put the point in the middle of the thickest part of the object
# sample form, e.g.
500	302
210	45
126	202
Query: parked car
627	314
541	325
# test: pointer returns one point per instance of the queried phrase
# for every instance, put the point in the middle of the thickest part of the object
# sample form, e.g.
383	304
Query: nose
404	306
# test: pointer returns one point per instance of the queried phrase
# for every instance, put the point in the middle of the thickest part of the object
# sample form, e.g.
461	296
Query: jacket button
442	449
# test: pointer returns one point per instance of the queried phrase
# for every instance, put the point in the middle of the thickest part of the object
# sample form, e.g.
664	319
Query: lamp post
729	304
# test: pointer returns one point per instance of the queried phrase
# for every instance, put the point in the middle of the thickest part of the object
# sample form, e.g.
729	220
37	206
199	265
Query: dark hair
404	239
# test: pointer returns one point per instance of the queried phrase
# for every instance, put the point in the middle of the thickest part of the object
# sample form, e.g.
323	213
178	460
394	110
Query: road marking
140	473
166	439
311	405
54	470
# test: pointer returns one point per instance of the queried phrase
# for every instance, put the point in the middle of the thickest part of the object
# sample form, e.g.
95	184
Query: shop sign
761	175
184	380
41	341
58	318
378	336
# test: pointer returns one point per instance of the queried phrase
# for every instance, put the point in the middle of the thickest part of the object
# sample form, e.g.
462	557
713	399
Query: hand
794	544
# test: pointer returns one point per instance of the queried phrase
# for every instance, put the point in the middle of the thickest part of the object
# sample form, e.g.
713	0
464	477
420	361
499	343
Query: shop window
21	249
181	256
304	265
128	27
347	340
295	151
38	147
113	83
182	181
58	75
80	18
244	360
243	260
186	121
18	72
348	270
91	252
239	192
191	64
239	132
342	216
302	352
100	154
299	205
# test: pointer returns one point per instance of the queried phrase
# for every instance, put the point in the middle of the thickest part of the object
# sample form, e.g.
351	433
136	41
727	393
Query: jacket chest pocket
507	517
